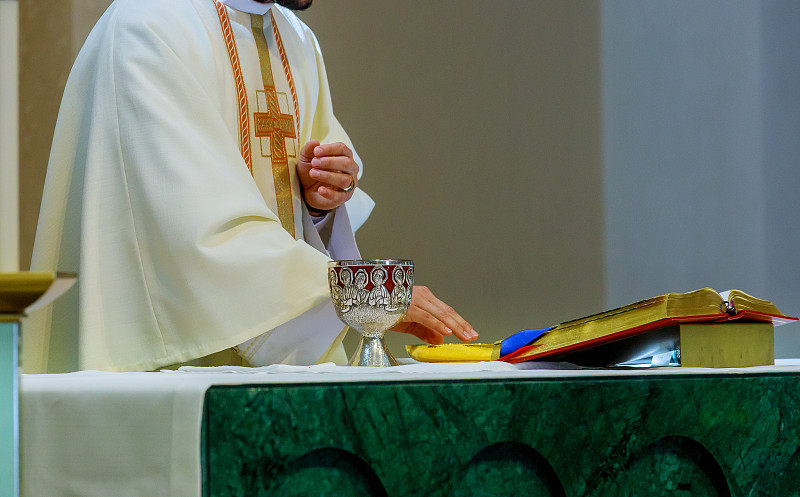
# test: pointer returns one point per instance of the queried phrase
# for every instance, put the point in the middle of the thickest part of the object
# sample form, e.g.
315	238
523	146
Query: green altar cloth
572	435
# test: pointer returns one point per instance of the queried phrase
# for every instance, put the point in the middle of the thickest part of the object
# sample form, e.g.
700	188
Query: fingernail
315	162
448	331
318	151
473	333
314	173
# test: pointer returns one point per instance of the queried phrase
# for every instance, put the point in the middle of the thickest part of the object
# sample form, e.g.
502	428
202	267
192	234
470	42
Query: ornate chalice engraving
399	295
361	287
379	295
367	299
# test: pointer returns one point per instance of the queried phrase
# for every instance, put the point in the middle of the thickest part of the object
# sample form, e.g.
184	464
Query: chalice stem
372	351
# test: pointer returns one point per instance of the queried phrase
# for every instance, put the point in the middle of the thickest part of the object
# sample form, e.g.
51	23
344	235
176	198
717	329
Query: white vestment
178	246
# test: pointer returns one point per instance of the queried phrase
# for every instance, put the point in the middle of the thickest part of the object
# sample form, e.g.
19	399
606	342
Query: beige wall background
51	35
479	126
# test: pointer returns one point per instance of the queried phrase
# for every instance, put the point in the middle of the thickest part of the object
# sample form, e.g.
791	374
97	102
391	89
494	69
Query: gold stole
270	123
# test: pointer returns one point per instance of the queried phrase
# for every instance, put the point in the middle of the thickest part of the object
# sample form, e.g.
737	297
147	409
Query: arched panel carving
790	480
508	468
327	472
671	466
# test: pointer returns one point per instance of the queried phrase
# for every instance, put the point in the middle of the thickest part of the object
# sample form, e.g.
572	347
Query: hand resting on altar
328	175
430	319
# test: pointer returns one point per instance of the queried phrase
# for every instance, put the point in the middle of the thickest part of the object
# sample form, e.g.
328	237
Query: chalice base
372	351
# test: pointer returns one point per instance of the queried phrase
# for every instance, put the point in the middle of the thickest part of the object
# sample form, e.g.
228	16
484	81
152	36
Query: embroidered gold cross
274	125
277	127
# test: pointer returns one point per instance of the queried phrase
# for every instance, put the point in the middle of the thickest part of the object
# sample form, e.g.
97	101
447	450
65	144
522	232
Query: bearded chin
294	4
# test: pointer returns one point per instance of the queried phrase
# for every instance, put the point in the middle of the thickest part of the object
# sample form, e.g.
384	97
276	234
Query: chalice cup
371	296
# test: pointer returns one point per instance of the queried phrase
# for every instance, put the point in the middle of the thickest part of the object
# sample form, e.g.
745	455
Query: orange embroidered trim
286	68
241	92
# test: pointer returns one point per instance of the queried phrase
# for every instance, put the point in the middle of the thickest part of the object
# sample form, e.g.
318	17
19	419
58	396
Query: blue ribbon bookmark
521	339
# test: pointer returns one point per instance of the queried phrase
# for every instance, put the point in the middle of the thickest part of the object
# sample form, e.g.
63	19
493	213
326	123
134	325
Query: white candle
9	136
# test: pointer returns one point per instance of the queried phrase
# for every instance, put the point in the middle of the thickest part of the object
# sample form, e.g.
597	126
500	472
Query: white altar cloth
133	434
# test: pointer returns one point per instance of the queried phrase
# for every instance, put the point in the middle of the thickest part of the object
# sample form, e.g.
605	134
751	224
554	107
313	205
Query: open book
704	305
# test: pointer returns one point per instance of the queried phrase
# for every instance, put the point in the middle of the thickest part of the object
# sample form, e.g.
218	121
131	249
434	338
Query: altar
451	429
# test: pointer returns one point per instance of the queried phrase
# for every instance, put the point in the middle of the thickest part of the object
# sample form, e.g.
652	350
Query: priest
199	183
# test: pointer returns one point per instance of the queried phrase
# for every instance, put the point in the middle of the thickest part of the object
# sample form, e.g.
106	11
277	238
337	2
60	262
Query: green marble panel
720	435
9	408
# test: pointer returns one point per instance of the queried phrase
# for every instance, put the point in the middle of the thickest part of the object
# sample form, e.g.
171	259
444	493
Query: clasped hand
325	171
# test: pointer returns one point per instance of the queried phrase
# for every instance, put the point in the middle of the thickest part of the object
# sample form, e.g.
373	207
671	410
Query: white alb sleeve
296	341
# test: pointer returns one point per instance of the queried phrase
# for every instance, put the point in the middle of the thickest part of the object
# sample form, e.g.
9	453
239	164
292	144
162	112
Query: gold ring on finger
351	186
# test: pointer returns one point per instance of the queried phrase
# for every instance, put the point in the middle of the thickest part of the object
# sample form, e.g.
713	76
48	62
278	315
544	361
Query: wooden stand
704	345
19	292
727	345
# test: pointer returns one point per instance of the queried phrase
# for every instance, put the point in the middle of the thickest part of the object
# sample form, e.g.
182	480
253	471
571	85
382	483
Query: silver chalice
371	296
